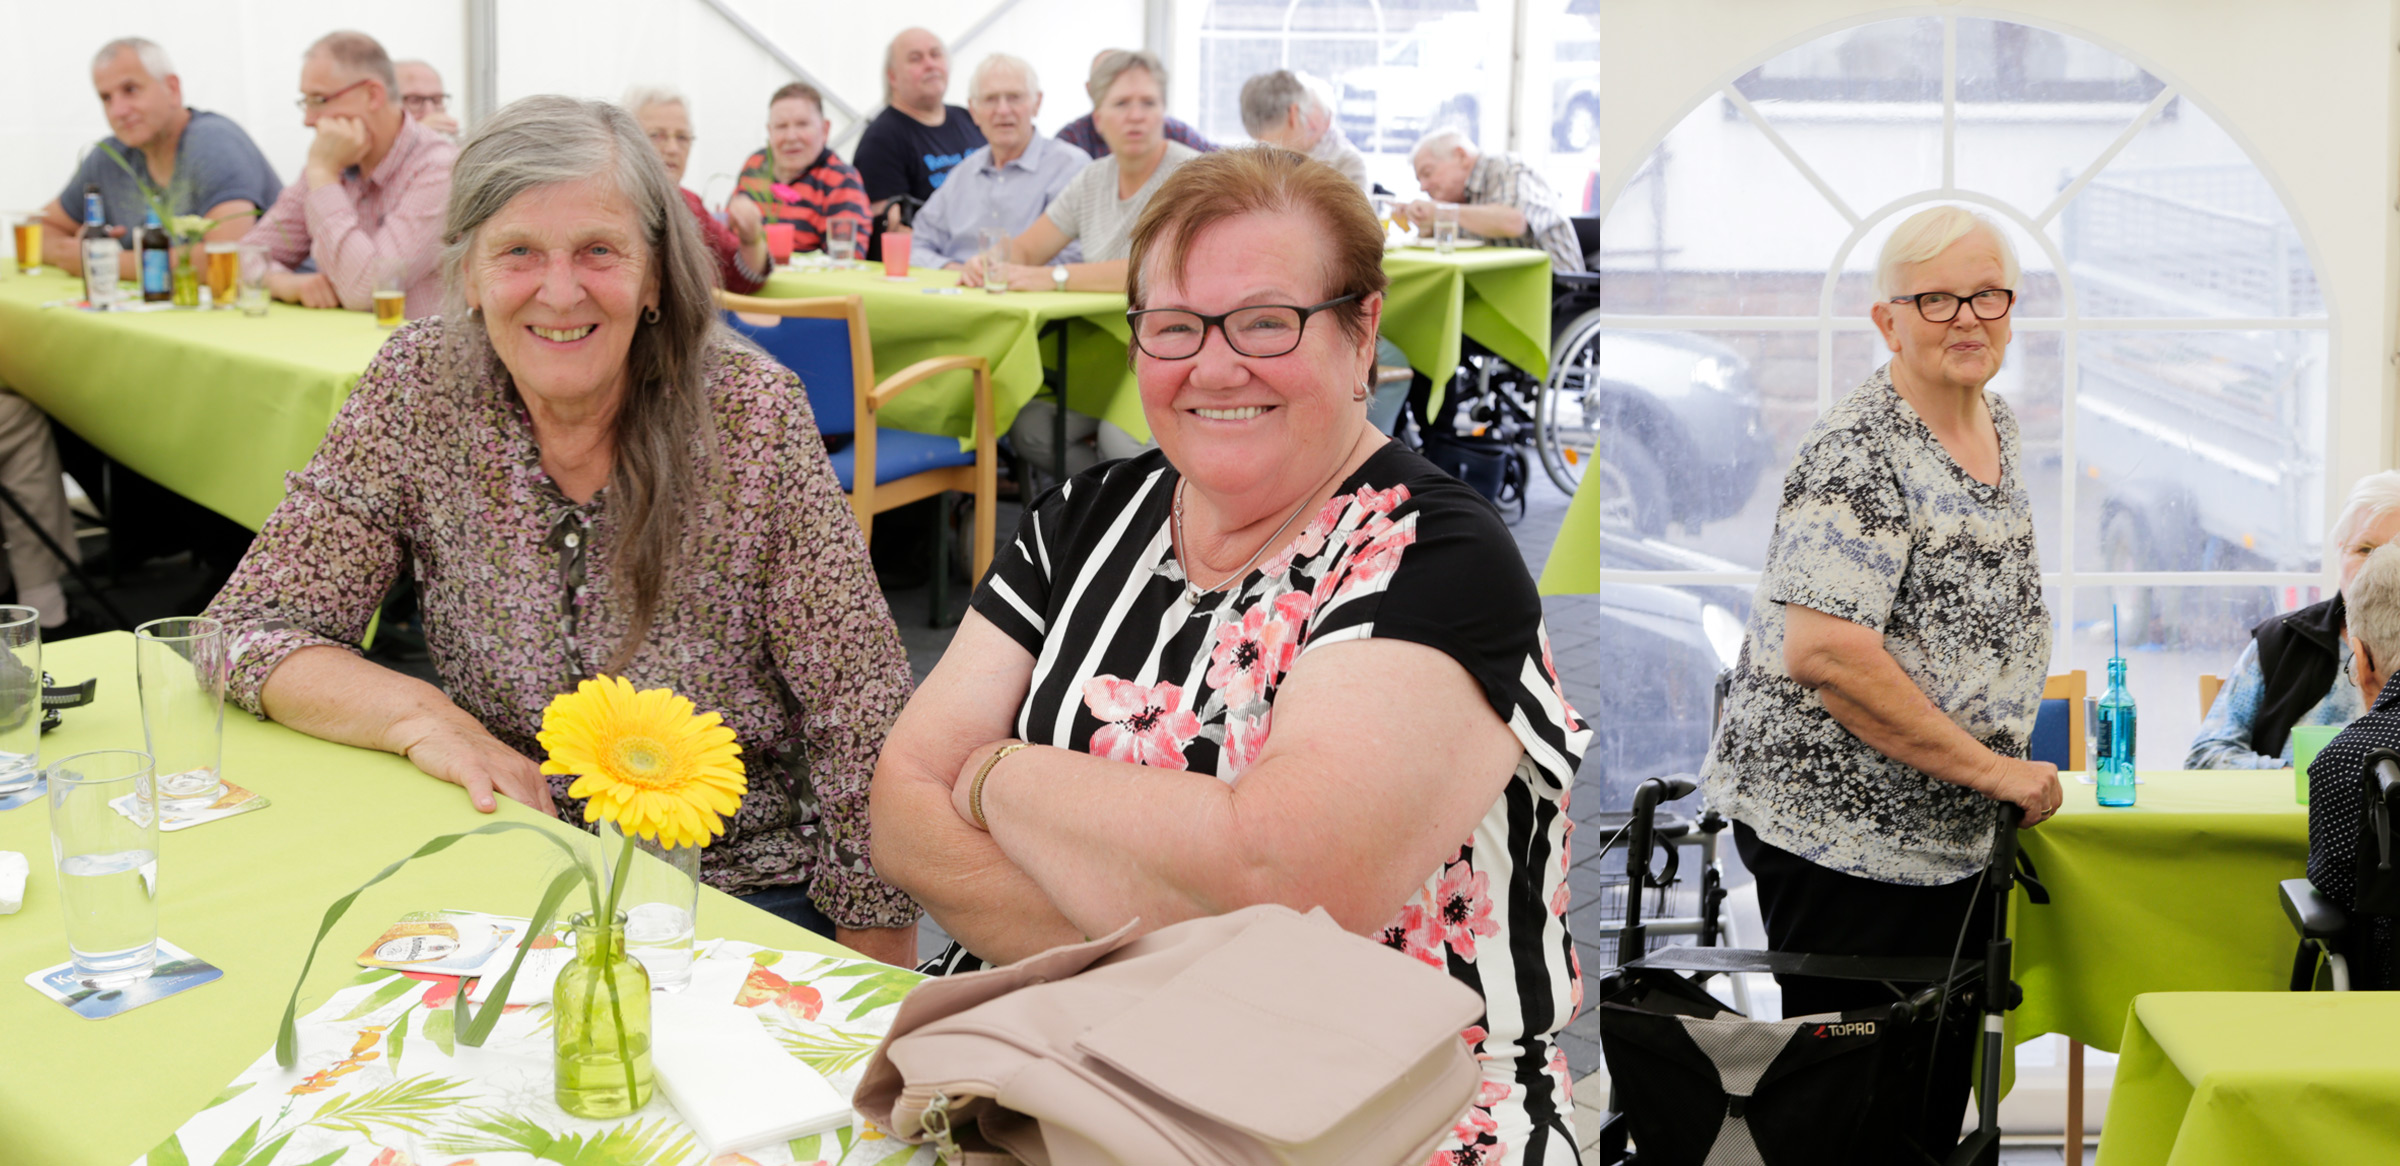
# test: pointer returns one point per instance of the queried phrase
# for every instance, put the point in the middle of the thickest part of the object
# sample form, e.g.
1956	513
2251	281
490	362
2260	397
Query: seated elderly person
1499	197
1084	132
585	475
2296	668
1005	183
368	203
1097	209
2335	795
798	179
1234	672
740	242
421	93
1285	109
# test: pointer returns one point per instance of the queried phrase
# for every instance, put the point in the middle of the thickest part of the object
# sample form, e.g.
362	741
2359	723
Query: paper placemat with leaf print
382	1081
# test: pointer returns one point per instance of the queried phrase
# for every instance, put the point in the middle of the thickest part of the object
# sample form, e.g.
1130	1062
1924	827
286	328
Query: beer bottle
158	280
99	252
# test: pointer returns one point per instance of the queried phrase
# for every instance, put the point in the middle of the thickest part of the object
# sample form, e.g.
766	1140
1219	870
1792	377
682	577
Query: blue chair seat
899	454
2051	739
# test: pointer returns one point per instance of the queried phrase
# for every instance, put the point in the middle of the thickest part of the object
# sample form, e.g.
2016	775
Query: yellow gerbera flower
646	761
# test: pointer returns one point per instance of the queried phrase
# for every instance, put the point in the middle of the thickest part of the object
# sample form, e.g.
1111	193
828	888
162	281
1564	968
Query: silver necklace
1193	591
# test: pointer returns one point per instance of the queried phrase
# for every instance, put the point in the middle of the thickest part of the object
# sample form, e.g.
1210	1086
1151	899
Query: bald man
422	96
912	145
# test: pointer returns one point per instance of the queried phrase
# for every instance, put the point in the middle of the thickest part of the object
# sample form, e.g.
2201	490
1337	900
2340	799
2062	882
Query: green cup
2306	740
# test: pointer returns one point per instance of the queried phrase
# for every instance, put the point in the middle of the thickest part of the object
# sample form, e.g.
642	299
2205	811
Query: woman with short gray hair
585	475
1886	688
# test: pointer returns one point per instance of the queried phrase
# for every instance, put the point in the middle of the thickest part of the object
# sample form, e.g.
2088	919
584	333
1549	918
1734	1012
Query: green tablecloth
911	319
1500	296
2237	1079
216	406
1574	566
2176	893
245	894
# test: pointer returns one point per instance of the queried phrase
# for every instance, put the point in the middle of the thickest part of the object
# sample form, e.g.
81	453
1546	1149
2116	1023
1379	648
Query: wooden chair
2210	683
2071	688
824	341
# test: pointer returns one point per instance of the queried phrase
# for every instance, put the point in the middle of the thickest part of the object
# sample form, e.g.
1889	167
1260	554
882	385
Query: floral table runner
382	1081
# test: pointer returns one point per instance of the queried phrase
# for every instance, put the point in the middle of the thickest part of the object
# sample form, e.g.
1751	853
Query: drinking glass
251	274
841	240
20	697
391	303
224	261
994	254
660	901
28	231
1445	227
104	838
181	664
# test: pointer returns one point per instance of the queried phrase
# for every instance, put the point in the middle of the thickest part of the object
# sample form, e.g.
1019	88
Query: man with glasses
368	203
1004	184
421	95
199	163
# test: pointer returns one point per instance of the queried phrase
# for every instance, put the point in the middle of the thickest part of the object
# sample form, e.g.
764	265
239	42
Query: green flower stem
608	975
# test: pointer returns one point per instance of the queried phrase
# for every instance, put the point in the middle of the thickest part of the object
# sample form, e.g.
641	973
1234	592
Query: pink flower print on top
1414	933
1146	726
1382	501
1311	542
1462	908
1244	737
1252	653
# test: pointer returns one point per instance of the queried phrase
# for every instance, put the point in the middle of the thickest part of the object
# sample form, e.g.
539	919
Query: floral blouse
1128	668
771	615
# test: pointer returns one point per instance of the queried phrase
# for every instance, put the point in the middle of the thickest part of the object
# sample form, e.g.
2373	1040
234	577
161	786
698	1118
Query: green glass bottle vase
603	1035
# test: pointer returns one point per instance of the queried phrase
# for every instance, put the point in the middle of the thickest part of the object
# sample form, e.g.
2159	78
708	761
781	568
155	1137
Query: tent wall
2308	90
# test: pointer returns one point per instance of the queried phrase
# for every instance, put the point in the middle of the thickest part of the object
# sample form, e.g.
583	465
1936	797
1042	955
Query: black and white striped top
1127	668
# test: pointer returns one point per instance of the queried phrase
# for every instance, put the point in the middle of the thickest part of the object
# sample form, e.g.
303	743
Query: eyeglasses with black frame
1260	330
435	101
310	102
1942	307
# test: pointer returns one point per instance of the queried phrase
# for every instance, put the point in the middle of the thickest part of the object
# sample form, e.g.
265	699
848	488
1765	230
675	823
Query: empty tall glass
841	240
181	663
20	697
1445	227
660	900
994	253
250	288
104	838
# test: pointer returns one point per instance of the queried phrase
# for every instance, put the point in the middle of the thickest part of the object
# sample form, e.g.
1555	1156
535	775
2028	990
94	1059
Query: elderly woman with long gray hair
584	474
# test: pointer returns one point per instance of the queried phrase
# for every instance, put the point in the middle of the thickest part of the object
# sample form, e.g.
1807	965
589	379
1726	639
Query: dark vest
2299	654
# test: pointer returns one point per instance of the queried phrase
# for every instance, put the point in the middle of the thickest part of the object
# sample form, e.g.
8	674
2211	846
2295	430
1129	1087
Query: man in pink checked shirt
371	196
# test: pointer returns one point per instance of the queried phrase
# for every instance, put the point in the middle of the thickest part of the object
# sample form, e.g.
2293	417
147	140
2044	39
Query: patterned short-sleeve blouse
769	615
1127	668
1881	527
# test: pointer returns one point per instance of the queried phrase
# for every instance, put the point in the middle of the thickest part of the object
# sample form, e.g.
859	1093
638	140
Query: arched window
2169	368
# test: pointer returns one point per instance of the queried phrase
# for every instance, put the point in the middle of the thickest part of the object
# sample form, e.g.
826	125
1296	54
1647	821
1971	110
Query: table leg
2074	1143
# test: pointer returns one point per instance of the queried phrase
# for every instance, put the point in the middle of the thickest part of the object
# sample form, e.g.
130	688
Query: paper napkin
732	1083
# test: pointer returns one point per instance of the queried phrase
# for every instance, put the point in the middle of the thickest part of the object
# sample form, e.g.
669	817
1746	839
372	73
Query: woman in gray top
1885	694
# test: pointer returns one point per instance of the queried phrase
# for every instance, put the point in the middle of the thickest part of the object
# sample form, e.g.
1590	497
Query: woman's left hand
741	213
962	785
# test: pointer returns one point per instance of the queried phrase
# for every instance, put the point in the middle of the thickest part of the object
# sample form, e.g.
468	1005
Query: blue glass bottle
2112	748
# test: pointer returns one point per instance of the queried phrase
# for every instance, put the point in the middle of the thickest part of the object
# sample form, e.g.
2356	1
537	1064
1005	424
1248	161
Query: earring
650	314
1363	392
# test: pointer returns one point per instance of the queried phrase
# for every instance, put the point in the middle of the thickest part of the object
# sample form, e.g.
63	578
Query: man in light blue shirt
1006	183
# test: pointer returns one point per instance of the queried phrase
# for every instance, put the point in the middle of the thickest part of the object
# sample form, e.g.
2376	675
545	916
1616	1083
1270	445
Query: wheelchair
2330	935
1497	420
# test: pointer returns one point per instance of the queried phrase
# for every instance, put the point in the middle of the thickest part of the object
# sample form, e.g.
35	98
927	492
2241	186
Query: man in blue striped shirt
1007	182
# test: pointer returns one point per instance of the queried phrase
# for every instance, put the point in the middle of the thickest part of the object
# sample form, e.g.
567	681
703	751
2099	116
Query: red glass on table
779	242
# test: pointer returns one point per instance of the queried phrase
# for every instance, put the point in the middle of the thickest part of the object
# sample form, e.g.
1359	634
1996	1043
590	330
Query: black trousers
1813	910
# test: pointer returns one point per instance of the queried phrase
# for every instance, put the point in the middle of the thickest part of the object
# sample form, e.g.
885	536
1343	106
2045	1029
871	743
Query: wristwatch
1058	276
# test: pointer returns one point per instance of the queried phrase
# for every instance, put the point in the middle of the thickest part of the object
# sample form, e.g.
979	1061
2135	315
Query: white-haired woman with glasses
1889	678
1279	659
2296	669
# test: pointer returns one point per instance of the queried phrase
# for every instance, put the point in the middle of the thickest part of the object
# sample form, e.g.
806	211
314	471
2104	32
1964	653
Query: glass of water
181	664
660	901
1445	227
994	253
250	278
841	240
20	697
104	837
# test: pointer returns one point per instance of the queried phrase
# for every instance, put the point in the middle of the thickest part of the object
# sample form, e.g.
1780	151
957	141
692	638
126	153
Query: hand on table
742	214
440	123
341	143
2031	785
892	945
1014	276
1420	212
311	290
467	756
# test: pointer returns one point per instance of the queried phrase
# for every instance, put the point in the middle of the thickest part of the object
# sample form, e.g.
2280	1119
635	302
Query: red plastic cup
895	253
779	241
